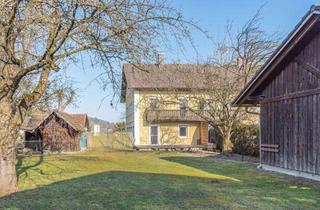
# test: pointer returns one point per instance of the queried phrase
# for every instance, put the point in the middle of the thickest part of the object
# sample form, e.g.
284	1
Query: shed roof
33	121
76	121
308	24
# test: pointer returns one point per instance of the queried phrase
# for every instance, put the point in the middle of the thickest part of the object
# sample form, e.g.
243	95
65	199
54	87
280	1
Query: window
183	131
153	102
154	134
183	103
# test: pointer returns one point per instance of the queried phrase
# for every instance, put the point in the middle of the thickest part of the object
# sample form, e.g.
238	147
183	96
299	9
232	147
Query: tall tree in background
237	58
38	37
60	94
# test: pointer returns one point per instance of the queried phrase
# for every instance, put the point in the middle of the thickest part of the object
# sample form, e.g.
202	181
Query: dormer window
154	103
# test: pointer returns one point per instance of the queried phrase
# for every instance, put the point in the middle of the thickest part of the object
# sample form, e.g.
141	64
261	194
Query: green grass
153	180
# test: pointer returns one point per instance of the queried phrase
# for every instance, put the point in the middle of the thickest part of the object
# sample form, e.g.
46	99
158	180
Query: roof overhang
45	118
302	28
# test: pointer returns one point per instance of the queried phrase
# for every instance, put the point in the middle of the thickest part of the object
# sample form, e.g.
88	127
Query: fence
116	141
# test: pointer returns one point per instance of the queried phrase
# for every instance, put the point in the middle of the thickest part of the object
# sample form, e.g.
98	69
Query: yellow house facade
162	106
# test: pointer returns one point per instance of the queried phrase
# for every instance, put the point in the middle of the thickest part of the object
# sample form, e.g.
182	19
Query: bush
216	138
245	139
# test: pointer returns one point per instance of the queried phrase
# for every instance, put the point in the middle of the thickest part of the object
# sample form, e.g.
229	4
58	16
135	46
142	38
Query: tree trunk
8	177
227	144
9	131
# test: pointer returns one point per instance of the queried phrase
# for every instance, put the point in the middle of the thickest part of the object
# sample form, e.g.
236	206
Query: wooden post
201	134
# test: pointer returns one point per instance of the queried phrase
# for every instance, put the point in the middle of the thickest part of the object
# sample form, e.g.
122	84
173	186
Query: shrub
216	138
245	139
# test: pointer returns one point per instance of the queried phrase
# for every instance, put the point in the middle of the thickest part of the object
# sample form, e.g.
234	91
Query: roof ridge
73	121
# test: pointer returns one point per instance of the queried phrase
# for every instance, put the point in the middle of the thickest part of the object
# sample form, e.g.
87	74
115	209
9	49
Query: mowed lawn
153	180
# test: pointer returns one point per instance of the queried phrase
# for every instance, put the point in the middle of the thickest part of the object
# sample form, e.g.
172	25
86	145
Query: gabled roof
163	76
310	22
81	119
77	121
73	122
34	121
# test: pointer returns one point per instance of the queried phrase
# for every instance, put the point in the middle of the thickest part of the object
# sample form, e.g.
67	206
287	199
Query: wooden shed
287	89
56	131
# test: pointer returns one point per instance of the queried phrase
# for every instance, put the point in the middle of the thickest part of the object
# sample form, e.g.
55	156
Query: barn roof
164	76
34	121
80	118
71	120
76	121
308	26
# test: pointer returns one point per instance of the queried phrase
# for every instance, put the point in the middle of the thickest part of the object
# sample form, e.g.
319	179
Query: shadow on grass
137	190
259	187
23	169
115	190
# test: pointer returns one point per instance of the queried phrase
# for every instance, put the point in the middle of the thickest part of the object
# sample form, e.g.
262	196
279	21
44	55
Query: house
96	129
56	131
160	109
287	89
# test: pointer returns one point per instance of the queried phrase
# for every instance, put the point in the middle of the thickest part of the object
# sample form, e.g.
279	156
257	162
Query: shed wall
293	123
57	137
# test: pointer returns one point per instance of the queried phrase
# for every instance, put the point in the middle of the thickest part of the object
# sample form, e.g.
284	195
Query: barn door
83	140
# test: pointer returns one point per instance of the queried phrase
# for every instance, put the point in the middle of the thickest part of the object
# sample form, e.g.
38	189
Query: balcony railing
173	115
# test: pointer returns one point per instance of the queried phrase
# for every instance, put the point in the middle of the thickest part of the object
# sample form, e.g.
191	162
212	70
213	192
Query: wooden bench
269	147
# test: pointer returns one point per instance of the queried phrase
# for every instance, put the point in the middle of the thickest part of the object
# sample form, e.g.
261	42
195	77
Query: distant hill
105	126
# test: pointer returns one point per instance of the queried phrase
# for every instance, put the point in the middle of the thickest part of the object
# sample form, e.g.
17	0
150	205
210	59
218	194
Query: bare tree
37	37
237	58
59	94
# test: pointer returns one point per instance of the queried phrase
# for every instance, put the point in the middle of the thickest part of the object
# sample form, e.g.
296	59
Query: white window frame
158	140
187	126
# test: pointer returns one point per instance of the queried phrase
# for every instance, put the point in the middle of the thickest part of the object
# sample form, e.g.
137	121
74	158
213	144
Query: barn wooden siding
290	113
57	135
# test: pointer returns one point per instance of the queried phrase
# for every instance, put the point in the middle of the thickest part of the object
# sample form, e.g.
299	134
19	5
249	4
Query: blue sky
212	15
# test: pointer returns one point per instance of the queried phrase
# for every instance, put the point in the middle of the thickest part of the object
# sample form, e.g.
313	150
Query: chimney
160	58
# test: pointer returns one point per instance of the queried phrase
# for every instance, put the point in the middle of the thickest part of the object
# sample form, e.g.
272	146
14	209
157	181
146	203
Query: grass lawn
153	180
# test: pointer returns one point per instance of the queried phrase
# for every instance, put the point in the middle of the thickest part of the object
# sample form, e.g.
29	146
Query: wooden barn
56	131
287	89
